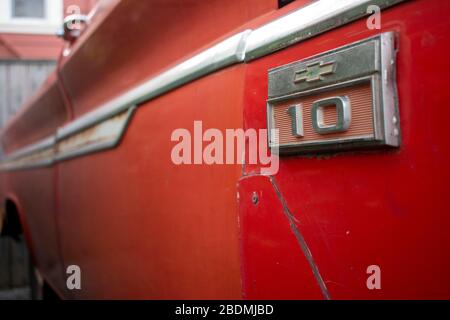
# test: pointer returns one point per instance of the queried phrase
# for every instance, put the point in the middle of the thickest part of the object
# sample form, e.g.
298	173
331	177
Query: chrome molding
307	22
34	148
246	46
103	136
40	157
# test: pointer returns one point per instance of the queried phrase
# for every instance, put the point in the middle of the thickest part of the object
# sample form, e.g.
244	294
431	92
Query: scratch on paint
301	241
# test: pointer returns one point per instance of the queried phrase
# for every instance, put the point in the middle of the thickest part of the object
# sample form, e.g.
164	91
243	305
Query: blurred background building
29	48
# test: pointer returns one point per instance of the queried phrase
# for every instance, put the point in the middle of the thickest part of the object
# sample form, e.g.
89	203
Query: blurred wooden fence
18	81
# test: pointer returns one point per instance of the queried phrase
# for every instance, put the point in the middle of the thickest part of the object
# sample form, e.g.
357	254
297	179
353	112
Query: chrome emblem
339	100
315	71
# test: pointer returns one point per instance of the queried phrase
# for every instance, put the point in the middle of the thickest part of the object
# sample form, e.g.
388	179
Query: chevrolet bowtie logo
315	72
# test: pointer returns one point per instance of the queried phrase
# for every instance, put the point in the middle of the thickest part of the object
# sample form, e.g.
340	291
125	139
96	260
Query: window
31	16
28	9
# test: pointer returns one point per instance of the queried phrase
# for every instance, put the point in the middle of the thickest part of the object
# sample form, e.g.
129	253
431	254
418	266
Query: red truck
115	165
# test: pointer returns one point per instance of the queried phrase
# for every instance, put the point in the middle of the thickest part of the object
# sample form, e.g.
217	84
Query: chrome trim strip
33	148
40	157
307	22
99	146
389	90
19	167
20	159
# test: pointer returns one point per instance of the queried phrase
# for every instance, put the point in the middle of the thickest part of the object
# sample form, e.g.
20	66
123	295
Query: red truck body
141	227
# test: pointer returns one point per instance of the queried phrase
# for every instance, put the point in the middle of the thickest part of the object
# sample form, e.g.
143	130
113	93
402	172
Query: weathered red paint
141	227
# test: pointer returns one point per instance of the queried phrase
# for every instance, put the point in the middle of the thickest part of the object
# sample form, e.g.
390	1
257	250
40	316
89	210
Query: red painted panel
274	265
141	227
386	208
